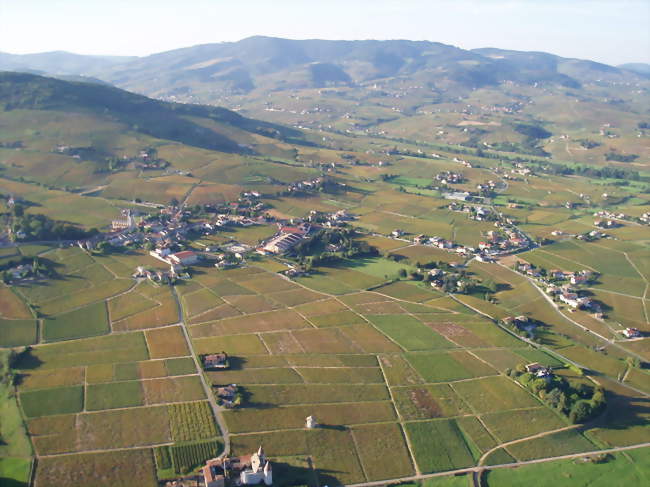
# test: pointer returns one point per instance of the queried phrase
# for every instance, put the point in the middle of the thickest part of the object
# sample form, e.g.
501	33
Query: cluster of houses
497	243
486	187
463	162
450	177
559	283
335	219
307	185
159	276
607	223
478	213
592	236
507	240
228	395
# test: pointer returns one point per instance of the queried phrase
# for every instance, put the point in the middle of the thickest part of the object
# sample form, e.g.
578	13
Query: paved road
478	470
206	387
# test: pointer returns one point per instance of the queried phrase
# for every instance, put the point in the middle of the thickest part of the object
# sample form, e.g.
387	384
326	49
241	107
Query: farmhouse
632	333
539	370
186	257
245	470
215	361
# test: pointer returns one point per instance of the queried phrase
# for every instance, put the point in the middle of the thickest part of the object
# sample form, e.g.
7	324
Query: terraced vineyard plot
512	425
129	371
276	443
185	458
500	359
351	375
324	340
100	350
454	332
200	301
227	287
161	315
340	318
268	283
180	366
293	417
428	402
218	313
408	292
151	369
261	322
252	303
236	345
167	342
14	333
41	379
317	308
191	421
114	395
108	469
268	375
451	366
439	445
493	394
410	333
295	297
46	402
281	342
476	435
173	389
11	306
122	428
556	444
369	339
85	322
128	304
375	444
335	457
314	393
398	371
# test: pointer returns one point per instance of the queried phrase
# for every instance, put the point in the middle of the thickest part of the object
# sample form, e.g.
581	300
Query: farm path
480	469
206	387
532	437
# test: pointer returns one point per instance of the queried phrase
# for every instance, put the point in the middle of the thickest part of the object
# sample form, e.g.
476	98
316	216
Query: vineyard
182	459
192	421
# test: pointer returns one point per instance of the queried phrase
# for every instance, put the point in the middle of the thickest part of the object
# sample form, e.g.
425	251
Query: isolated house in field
631	333
187	257
251	469
539	371
215	361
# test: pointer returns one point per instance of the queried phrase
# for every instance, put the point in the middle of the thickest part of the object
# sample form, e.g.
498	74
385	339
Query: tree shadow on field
236	363
7	482
335	427
26	360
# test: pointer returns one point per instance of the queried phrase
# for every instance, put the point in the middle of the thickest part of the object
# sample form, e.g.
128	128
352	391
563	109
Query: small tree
580	411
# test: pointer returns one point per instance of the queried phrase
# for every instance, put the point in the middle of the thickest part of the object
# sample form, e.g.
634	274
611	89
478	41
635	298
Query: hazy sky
610	31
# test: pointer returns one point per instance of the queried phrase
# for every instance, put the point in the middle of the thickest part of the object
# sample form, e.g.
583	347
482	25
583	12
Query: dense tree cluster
579	401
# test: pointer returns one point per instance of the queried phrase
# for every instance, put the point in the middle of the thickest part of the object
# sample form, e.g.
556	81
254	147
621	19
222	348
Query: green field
45	402
85	322
629	468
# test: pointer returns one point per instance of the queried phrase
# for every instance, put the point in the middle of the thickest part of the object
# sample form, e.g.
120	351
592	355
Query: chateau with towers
250	469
